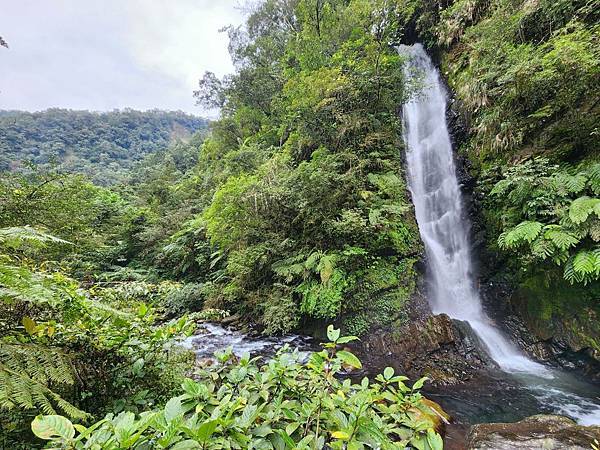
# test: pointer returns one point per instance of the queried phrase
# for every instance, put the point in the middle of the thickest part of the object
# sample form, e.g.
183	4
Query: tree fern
523	232
581	208
29	375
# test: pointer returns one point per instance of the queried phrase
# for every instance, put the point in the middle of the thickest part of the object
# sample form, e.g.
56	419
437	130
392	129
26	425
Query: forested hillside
294	211
103	146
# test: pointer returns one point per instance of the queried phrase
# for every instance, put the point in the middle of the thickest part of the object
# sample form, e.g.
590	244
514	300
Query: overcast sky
107	54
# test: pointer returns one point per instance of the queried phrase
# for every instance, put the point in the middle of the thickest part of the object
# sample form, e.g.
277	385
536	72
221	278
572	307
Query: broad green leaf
188	444
50	427
388	373
29	324
262	431
434	440
174	408
206	430
342	435
419	383
286	438
332	333
349	359
346	339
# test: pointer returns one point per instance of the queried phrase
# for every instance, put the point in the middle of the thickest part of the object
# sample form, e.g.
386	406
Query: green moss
558	309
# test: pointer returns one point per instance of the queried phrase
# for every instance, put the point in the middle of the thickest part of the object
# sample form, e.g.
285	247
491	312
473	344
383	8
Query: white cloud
105	54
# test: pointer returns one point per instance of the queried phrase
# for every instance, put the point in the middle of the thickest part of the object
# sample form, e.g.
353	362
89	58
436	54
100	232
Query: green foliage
529	78
27	371
59	345
282	404
83	217
307	168
562	219
184	299
103	146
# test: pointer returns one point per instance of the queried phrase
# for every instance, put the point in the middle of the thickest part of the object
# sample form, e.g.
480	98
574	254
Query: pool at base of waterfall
502	398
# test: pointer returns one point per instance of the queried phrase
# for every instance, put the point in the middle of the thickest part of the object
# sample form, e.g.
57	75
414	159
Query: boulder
546	432
445	350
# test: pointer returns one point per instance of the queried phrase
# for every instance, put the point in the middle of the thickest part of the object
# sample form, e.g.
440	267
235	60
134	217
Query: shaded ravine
444	231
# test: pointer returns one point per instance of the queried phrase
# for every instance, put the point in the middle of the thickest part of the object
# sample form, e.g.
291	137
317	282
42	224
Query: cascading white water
438	206
444	231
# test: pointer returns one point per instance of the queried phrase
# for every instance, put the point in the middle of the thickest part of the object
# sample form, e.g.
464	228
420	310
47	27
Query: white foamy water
213	338
445	233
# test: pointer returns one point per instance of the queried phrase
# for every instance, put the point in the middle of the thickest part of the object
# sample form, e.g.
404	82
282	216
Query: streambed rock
546	432
445	350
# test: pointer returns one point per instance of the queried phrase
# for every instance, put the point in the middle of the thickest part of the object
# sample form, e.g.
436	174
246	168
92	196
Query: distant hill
102	145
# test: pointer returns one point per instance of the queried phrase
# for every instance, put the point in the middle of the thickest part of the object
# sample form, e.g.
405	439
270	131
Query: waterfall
445	232
438	206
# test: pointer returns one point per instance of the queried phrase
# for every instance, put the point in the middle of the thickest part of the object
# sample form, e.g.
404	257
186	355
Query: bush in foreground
285	403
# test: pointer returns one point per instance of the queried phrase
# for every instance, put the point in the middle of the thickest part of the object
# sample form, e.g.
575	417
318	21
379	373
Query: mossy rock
567	314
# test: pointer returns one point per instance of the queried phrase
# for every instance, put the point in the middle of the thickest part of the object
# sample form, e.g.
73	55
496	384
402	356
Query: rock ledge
546	432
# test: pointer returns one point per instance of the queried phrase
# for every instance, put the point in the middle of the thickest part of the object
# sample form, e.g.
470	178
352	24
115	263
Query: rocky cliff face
569	338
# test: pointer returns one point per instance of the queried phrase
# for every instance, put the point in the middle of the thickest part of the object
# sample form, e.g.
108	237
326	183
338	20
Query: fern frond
582	207
584	262
19	390
523	232
584	266
570	274
573	184
594	231
542	249
593	173
289	268
562	239
44	364
326	267
501	186
313	260
18	236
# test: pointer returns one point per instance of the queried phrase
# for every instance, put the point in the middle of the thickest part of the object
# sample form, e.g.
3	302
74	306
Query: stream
496	398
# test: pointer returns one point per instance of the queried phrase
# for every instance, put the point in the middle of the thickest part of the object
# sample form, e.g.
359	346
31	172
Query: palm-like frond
29	375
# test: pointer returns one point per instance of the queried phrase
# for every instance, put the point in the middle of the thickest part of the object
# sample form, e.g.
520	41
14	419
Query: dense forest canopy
289	212
102	146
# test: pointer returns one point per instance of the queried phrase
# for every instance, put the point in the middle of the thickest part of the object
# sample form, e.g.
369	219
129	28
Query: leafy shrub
188	297
281	404
65	350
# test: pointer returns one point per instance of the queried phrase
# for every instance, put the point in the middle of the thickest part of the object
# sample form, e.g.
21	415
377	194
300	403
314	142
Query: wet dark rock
535	432
555	345
234	319
445	350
